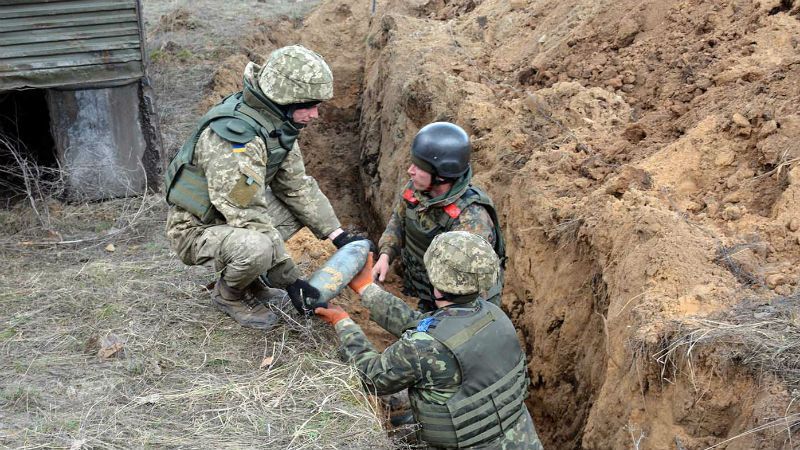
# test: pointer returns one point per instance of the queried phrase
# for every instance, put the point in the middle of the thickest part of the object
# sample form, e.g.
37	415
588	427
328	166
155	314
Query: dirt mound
621	167
643	156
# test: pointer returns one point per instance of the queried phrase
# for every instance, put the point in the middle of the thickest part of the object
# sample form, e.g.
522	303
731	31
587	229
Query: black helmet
443	149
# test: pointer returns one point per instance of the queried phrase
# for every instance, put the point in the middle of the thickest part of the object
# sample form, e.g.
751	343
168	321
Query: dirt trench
627	146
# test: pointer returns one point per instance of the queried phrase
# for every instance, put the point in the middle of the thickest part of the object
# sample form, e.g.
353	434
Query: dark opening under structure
24	133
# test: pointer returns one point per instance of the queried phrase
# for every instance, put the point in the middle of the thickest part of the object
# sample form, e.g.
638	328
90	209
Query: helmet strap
427	167
290	108
438	181
436	185
309	104
458	299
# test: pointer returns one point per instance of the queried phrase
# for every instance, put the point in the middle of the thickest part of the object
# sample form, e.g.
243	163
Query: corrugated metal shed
50	43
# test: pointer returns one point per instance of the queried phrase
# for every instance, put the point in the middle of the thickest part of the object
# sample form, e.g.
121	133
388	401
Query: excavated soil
629	146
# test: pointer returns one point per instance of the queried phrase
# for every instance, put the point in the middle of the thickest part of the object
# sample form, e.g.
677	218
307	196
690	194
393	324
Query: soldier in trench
238	188
462	363
438	198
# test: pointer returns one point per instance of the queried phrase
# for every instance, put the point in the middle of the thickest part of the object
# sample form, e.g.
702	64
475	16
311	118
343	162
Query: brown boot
245	309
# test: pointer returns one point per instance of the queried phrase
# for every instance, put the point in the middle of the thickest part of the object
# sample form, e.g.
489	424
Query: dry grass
726	258
108	341
85	280
763	336
187	40
186	376
23	178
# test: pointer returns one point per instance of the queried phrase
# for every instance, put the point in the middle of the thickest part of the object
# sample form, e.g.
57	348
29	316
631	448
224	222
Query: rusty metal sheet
86	19
82	46
57	9
71	77
26	2
45	43
77	59
69	33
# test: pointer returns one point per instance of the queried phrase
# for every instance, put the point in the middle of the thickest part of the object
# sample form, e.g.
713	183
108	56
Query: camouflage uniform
420	362
474	219
255	215
416	361
430	212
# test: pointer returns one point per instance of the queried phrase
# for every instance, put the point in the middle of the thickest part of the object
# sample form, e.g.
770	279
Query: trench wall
624	143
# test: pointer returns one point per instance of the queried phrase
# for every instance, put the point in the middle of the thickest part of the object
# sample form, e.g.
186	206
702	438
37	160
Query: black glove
347	237
304	296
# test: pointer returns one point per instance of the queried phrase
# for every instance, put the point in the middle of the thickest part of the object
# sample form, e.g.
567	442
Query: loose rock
725	158
732	212
775	279
740	120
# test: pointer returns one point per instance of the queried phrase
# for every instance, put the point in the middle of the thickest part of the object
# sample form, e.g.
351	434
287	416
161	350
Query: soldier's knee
261	260
249	251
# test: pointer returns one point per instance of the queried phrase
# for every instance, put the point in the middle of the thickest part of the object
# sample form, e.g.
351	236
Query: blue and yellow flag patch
238	148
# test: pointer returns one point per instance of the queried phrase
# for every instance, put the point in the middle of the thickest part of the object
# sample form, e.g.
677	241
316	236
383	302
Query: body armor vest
494	378
238	123
418	238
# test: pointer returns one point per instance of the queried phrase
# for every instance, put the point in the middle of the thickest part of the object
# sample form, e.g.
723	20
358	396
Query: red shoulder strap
408	195
452	210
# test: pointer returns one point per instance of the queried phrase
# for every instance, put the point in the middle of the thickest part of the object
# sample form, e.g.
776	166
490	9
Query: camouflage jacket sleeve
388	311
302	195
235	175
476	220
393	236
416	359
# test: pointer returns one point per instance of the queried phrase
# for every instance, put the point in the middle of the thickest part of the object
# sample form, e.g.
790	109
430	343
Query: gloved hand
346	237
303	295
332	314
363	278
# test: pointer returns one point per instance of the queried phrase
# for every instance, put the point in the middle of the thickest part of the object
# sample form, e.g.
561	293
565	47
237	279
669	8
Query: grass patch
761	335
8	333
107	311
186	376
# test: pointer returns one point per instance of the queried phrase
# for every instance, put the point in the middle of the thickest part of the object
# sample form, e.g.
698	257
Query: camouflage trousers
239	254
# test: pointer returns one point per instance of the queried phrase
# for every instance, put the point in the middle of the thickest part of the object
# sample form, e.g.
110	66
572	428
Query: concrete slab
100	141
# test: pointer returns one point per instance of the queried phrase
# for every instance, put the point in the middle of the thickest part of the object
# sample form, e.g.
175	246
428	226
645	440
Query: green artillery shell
334	275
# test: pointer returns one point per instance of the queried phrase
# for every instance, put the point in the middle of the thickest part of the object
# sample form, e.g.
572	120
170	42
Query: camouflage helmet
295	74
460	263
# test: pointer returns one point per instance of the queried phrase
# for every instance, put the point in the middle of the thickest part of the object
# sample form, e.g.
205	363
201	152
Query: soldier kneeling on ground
238	187
462	363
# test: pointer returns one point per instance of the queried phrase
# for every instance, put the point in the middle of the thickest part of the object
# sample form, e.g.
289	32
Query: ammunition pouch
190	191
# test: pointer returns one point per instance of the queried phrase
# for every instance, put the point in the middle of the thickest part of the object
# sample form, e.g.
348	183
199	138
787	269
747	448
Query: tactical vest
238	123
418	238
494	379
